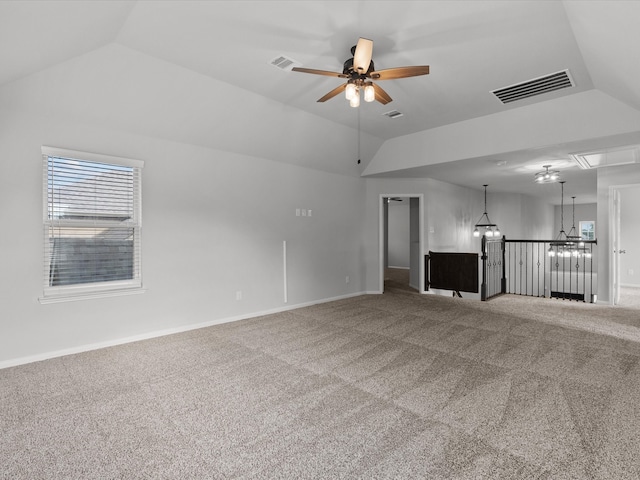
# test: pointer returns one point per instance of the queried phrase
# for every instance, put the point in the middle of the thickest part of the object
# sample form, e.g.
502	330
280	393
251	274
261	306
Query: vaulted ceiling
200	72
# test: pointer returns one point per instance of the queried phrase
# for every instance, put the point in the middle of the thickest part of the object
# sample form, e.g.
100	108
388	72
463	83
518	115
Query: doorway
407	245
625	259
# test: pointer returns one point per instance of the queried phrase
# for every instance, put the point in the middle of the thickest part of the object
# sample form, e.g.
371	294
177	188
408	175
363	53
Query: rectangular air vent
536	86
284	63
393	114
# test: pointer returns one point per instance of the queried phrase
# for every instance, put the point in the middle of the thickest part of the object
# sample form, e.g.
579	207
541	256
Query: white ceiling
210	61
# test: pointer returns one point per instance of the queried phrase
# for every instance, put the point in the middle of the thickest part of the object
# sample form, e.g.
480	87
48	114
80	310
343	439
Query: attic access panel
607	158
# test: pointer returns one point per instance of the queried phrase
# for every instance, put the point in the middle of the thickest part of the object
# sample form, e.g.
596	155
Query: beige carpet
630	297
399	385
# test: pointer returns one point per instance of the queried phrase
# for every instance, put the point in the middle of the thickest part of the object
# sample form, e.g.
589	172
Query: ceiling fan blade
319	72
362	55
381	96
400	72
333	93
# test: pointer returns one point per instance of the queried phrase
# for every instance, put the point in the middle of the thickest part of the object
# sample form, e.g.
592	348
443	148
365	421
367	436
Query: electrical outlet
346	279
309	213
630	271
239	295
304	212
297	212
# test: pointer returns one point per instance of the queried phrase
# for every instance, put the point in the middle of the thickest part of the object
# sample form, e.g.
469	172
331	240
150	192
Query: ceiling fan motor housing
348	69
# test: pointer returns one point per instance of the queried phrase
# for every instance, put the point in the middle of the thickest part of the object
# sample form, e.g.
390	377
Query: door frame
381	239
614	236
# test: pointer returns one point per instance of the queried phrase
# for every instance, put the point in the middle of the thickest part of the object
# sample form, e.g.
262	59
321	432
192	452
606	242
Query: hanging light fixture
578	249
490	229
573	233
561	239
547	176
571	244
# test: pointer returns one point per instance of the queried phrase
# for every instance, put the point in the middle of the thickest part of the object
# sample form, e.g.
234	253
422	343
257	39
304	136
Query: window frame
79	291
592	230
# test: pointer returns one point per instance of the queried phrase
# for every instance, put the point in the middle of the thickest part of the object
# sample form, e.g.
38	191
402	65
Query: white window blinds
92	224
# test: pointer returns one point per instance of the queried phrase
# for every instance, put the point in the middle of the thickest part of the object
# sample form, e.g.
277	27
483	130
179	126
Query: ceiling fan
360	71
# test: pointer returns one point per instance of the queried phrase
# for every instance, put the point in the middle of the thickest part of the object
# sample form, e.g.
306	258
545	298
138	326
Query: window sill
88	296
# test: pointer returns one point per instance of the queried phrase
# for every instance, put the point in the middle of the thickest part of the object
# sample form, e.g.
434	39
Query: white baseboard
629	285
161	333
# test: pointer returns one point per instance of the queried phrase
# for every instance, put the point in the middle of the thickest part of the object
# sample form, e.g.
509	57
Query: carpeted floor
630	297
399	385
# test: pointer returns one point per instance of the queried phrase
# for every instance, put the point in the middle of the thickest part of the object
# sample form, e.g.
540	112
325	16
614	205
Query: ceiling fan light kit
360	71
352	92
355	100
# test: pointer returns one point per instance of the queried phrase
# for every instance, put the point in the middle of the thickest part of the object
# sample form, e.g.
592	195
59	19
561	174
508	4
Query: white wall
521	217
213	224
399	240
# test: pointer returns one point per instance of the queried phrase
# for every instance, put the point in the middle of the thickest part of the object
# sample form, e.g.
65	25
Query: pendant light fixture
561	239
547	176
568	245
490	229
578	248
573	233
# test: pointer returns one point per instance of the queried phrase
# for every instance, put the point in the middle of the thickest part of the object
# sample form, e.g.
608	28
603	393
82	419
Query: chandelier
490	229
573	233
571	244
547	176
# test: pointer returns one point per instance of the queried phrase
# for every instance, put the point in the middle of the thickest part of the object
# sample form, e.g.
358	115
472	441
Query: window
92	225
588	230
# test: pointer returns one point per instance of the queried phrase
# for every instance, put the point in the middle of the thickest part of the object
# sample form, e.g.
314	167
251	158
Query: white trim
92	290
284	269
613	273
160	333
92	157
612	257
89	296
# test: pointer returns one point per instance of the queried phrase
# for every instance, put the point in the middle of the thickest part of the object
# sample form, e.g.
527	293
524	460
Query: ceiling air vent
284	63
393	114
536	86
